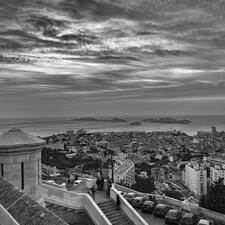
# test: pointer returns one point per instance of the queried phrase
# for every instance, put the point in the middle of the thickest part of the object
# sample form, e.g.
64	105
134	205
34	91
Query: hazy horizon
100	57
109	116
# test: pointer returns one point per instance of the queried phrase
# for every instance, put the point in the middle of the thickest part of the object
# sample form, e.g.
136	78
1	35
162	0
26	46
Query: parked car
76	182
148	207
51	181
173	216
161	210
204	222
138	202
130	197
189	219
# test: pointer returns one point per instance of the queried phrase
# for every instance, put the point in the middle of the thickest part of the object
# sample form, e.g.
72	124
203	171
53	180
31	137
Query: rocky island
136	123
91	119
166	120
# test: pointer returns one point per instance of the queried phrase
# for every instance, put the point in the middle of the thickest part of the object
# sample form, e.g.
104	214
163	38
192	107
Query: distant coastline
165	120
54	125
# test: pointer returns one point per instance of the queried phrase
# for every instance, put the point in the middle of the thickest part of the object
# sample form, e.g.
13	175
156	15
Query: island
167	120
91	119
136	123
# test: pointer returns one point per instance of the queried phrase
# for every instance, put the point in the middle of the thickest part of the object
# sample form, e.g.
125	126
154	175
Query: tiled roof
8	193
17	137
71	216
25	210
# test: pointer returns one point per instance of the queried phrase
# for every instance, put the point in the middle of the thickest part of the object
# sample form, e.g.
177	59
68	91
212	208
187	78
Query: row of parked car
172	216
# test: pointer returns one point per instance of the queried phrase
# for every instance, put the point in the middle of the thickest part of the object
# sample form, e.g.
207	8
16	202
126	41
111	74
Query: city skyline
74	58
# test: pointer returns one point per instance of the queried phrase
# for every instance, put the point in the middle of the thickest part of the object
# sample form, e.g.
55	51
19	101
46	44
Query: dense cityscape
169	163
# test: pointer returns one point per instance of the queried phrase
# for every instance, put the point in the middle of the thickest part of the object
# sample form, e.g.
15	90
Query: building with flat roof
196	179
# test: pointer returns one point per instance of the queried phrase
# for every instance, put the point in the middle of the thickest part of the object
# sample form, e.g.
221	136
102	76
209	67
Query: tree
215	198
145	185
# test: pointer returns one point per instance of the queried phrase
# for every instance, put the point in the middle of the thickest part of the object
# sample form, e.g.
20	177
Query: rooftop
17	137
23	209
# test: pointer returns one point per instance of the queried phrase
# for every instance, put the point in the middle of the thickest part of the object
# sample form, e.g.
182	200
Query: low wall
127	208
6	218
54	185
218	217
75	201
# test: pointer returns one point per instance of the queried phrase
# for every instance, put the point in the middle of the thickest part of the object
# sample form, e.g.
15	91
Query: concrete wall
127	208
32	171
75	201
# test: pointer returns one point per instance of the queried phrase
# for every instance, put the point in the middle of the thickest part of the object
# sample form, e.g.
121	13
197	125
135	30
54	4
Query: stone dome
17	137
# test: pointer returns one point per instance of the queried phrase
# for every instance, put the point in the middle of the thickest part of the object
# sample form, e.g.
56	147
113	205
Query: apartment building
196	178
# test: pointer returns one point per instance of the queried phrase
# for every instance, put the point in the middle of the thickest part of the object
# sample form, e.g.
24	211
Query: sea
48	126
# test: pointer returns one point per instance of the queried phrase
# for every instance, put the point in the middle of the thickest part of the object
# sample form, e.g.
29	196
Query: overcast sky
111	57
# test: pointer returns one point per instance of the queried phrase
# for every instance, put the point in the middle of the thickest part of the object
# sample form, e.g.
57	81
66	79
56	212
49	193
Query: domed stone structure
20	160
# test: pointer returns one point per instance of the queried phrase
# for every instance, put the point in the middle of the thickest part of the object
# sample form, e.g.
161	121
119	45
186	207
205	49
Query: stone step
118	219
109	209
110	202
115	215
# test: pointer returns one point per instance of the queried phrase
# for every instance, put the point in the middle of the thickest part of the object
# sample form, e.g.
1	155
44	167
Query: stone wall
32	171
73	200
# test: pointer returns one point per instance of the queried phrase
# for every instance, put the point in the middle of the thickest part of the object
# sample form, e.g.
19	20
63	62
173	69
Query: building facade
125	173
216	172
196	179
20	161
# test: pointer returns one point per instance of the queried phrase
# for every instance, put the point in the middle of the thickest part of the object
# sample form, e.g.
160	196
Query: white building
216	172
125	172
196	179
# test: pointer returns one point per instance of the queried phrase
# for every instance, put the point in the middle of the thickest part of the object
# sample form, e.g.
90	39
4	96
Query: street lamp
110	152
112	168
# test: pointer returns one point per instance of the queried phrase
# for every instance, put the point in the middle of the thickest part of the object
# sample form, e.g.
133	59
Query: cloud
91	51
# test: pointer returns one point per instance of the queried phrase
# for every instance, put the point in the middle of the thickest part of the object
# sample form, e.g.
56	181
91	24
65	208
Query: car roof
161	206
138	197
188	215
149	202
203	221
173	211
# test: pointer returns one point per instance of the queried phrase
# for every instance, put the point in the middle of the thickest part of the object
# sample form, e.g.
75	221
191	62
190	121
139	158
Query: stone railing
73	200
6	218
54	184
127	208
218	217
213	215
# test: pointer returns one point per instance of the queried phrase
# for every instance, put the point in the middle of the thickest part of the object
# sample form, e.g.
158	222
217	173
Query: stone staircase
115	216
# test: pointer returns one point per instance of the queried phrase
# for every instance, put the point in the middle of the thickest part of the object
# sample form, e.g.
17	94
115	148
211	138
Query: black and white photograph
112	112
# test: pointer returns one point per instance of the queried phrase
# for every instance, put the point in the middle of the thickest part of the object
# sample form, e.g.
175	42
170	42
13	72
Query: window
202	188
2	169
22	175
